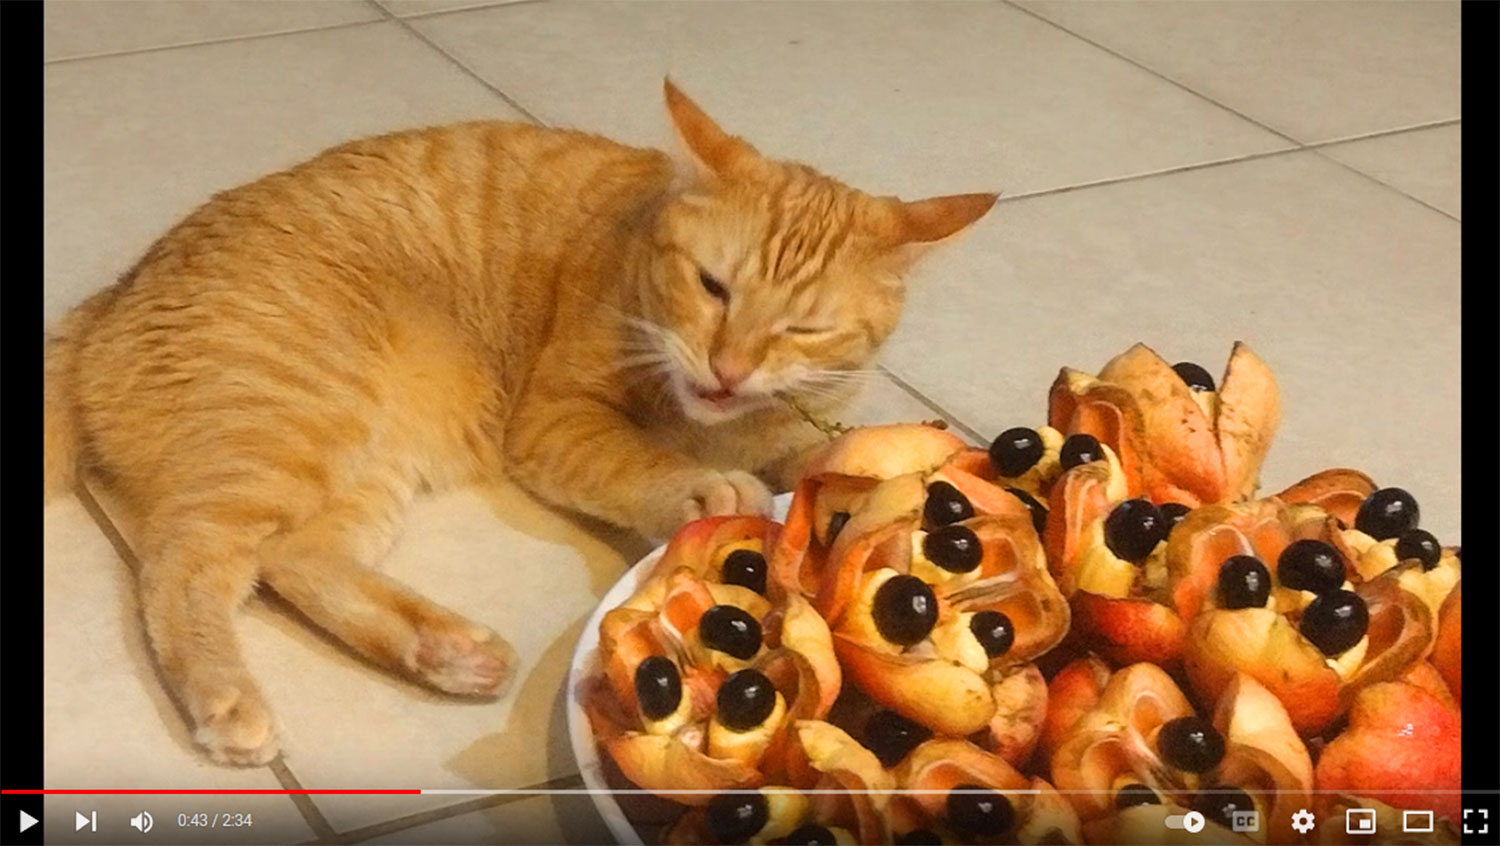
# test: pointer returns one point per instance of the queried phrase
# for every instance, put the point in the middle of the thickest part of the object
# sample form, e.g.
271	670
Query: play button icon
27	821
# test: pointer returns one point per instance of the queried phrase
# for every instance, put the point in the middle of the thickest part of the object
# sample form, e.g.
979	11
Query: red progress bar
205	792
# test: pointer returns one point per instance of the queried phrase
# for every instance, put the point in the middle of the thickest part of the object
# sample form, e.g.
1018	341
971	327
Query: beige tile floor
1187	174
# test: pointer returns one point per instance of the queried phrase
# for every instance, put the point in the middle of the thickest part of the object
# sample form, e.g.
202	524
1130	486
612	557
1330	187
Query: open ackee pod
1267	645
835	484
836	791
954	790
1175	443
1130	605
946	661
1401	734
1141	750
702	688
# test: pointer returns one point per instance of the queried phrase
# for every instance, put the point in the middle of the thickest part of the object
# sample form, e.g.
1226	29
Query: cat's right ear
714	151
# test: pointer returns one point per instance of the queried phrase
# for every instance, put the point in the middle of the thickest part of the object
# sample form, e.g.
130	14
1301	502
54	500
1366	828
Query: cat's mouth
717	404
720	398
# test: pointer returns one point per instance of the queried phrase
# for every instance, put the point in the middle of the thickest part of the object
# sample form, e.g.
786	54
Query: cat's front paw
714	493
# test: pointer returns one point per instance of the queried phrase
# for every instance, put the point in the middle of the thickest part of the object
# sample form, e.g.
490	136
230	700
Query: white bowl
585	663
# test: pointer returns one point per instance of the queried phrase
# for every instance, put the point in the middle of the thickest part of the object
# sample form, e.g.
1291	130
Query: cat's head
770	278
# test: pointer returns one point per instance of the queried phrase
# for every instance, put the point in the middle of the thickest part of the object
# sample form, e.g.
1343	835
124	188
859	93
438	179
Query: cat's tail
60	434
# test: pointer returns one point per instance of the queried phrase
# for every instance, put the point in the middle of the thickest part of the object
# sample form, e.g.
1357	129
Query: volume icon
141	822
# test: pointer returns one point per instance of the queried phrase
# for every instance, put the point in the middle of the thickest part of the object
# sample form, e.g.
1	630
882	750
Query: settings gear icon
1302	821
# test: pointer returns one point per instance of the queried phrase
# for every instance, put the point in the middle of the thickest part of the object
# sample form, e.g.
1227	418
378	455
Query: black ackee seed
1079	449
811	834
1421	545
1219	806
978	811
1194	375
905	610
891	736
1133	529
730	630
954	548
918	837
1387	513
658	687
736	817
1311	565
1132	795
994	631
746	568
1244	582
1335	621
836	524
1015	451
1190	744
1173	512
745	700
945	505
1038	510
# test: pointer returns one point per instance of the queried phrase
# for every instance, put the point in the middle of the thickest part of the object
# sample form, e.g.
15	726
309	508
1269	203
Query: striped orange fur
284	370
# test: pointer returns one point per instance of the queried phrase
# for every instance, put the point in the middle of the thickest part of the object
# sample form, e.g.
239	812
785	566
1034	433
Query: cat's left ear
931	221
914	228
715	151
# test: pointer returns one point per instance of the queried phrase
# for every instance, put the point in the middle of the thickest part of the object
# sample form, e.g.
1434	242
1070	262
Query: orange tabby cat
268	388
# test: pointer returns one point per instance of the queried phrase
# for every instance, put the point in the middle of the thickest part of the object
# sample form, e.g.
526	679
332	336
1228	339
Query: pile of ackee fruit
1064	638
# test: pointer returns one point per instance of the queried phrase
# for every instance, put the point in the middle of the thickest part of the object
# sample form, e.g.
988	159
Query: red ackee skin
1169	449
1447	651
1400	735
1338	491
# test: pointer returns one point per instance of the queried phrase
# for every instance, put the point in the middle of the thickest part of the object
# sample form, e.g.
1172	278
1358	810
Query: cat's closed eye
808	330
714	287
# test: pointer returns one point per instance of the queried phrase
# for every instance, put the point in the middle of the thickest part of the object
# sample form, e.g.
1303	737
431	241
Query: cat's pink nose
729	371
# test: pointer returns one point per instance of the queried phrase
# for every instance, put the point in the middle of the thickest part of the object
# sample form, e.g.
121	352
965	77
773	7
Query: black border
1481	767
21	579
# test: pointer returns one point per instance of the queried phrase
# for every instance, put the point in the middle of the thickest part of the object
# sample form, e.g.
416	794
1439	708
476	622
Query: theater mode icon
1417	822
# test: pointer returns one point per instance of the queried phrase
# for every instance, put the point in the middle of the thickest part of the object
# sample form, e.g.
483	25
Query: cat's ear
714	151
930	221
913	228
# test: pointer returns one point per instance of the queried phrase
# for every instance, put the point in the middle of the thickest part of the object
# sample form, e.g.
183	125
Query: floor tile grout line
483	803
111	533
482	6
470	72
1381	133
305	804
1378	181
1153	71
283	774
1166	171
1301	146
932	405
254	36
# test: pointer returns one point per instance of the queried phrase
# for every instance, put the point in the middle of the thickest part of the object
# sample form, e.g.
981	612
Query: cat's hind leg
323	568
190	586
